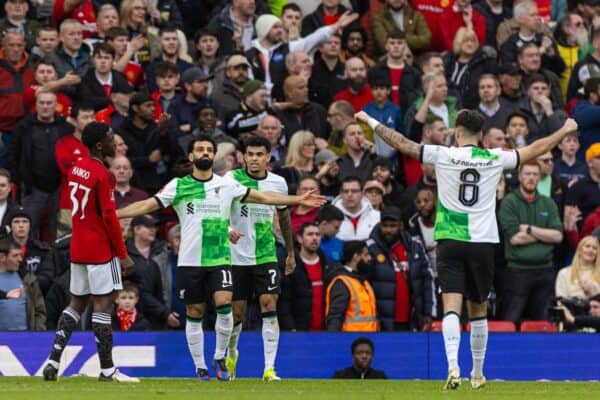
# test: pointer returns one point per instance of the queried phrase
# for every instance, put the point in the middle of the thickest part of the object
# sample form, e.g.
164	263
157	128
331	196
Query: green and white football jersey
255	221
467	178
203	208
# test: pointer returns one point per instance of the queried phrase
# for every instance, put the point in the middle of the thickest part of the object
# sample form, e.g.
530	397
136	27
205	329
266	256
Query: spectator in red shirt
125	194
68	150
301	214
125	51
46	78
358	92
459	15
301	306
167	80
80	10
118	109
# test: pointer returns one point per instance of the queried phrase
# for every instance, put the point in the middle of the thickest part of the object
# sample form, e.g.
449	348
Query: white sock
232	349
479	338
451	332
223	329
195	340
270	335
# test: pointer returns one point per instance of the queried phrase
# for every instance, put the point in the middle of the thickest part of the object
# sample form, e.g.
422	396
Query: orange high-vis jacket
361	314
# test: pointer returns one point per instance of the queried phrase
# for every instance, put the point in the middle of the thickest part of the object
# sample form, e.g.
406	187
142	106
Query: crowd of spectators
161	72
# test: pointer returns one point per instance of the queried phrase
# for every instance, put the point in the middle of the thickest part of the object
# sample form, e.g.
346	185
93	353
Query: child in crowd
126	316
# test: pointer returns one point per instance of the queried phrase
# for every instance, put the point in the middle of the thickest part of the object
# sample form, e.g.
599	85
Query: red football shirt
63	102
96	230
67	150
396	78
83	13
358	100
400	262
134	74
317	316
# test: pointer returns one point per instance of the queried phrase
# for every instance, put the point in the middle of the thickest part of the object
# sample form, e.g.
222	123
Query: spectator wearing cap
300	113
207	58
383	172
234	26
587	114
585	193
16	19
99	81
118	108
526	14
150	257
494	109
148	143
125	192
33	162
399	15
229	95
244	121
184	109
460	15
268	52
510	79
383	110
35	252
494	12
402	276
529	62
359	216
405	80
374	191
328	173
169	51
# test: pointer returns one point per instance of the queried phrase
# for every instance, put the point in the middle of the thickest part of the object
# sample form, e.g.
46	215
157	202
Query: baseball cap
252	86
144	220
122	87
373	184
325	155
195	74
140	98
593	151
237	59
391	212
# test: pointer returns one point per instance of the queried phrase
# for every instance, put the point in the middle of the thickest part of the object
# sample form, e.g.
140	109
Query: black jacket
339	297
326	83
228	97
353	373
43	175
383	279
312	117
140	143
410	83
468	89
499	119
294	308
510	49
315	20
546	126
92	91
146	275
222	24
140	324
55	263
363	171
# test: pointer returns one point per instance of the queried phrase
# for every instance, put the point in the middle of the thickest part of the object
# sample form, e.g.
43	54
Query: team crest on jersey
380	258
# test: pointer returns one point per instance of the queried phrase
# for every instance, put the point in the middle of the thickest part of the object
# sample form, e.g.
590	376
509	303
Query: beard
581	38
357	85
203	164
363	268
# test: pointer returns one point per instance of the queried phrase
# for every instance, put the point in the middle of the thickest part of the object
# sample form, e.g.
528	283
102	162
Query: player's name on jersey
474	164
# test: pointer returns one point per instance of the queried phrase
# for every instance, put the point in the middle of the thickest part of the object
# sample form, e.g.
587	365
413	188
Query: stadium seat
436	326
538	326
497	326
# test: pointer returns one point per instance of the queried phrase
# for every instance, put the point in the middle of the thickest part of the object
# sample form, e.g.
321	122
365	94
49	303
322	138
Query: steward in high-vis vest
350	299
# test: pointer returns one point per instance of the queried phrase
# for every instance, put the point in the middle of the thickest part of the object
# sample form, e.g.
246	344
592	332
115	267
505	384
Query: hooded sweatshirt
357	226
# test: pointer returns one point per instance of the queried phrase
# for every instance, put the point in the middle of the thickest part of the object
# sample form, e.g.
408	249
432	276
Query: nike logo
229	285
271	287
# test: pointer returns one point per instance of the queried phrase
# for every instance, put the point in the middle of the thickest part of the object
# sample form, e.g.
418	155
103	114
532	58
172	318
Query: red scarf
127	318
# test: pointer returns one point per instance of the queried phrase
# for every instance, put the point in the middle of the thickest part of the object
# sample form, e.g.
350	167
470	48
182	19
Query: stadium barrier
510	356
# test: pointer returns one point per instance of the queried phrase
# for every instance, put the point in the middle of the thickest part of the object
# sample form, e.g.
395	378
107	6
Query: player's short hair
202	138
165	68
103	47
362	340
432	119
305	226
351	248
131	288
351	178
329	213
81	106
256	141
94	133
470	121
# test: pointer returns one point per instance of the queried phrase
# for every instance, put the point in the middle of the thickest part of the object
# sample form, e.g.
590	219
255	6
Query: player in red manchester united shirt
96	247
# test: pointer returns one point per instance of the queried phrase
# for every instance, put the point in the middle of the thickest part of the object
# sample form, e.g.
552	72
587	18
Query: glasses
546	160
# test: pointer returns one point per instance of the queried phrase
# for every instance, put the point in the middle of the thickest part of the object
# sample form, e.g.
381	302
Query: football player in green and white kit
203	203
465	225
253	254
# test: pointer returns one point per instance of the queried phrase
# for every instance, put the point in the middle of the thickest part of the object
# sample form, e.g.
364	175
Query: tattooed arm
285	224
391	137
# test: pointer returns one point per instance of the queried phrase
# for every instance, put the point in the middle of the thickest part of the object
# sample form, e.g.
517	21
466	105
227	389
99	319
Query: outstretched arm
139	208
390	136
309	199
546	144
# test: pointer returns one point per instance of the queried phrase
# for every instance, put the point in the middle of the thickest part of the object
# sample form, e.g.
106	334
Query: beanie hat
251	87
264	23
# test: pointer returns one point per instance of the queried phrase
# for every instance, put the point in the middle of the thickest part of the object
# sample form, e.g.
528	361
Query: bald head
356	70
296	89
270	128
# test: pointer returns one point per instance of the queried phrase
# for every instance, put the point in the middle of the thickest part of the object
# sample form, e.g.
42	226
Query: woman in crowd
582	278
300	159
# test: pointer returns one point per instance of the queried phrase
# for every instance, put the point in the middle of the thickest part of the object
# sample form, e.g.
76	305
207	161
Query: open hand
311	199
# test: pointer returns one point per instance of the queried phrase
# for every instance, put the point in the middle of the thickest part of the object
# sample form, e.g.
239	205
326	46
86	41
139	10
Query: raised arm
309	199
139	208
391	137
546	144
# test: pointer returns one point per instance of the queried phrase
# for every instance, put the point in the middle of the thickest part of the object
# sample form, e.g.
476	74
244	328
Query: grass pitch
182	389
